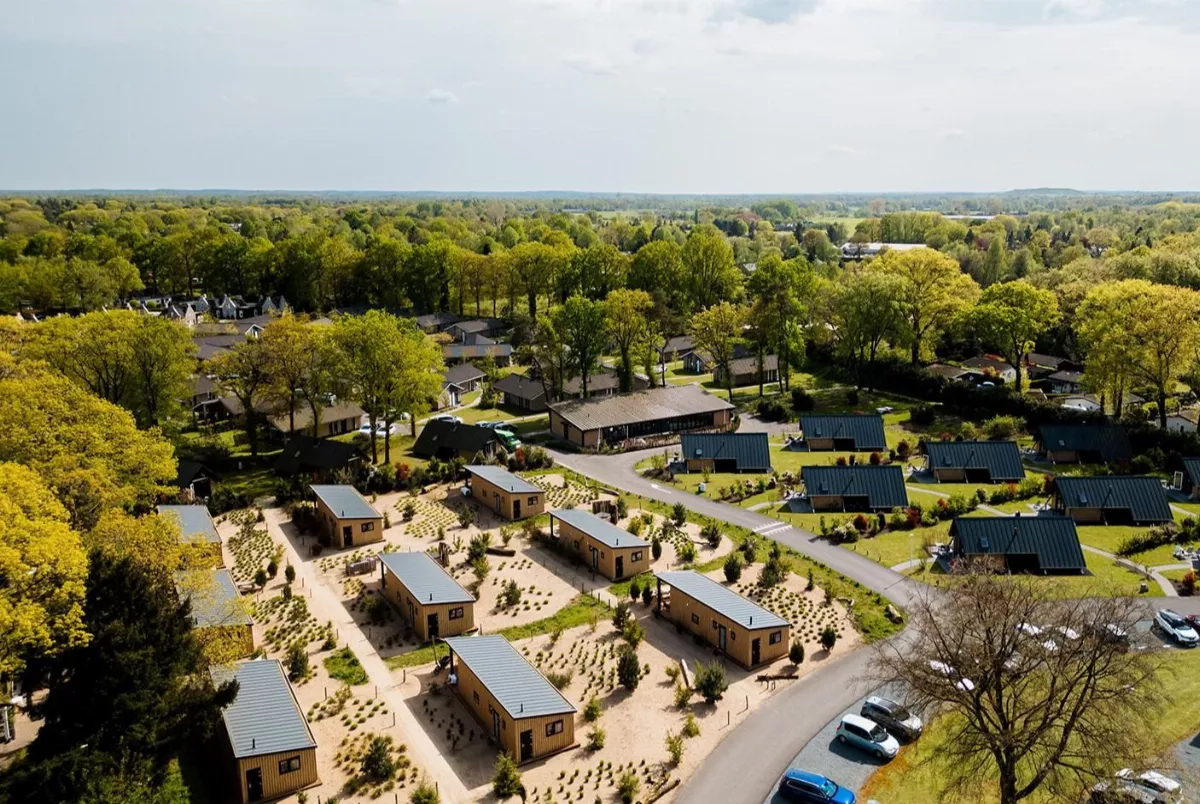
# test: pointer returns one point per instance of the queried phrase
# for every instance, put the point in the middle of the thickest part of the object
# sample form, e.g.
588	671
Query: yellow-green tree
1102	321
717	331
1010	316
242	373
43	564
1164	323
933	291
626	314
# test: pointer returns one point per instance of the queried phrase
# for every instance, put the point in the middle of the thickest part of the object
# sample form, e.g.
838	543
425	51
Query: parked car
1113	634
893	717
1175	627
1164	789
446	417
964	684
381	430
813	788
867	735
1150	787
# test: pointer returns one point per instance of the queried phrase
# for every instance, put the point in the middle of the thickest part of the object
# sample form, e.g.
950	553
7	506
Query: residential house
500	353
268	744
194	481
990	366
235	307
675	348
855	488
347	519
509	496
859	251
1066	382
447	440
606	549
435	322
528	393
1183	421
1191	478
1085	403
744	371
430	601
218	613
317	457
1042	545
342	417
736	626
196	528
948	371
726	452
476	327
522	712
273	307
1084	443
654	412
1112	500
856	432
701	362
975	461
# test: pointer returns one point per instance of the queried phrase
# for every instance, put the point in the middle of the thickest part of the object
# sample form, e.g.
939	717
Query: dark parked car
813	788
893	717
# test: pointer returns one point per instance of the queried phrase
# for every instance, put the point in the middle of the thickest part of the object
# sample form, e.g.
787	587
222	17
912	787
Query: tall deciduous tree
657	268
243	373
1026	711
717	331
1102	321
866	311
708	267
625	315
161	361
778	288
1010	316
934	291
535	267
288	344
1165	324
581	323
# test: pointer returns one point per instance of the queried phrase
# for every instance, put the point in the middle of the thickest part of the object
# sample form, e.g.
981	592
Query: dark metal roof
749	365
1192	467
750	450
521	387
721	599
883	486
600	530
345	502
515	683
1051	538
304	453
195	522
1001	458
438	438
865	428
1074	377
654	404
264	718
217	604
1109	440
1142	496
466	350
504	479
191	471
463	372
425	578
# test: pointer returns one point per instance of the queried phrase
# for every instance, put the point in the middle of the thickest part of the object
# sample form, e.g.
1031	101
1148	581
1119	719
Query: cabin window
695	619
732	634
776	637
531	501
456	613
554	728
635	555
475	696
288	765
716	625
366	526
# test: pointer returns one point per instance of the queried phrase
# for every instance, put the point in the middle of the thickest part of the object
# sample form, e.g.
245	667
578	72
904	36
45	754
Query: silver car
892	716
867	735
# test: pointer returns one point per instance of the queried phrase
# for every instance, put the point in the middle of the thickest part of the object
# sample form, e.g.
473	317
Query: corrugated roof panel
1109	440
195	522
1001	458
504	479
218	604
653	404
425	578
264	718
865	428
1053	539
345	502
1192	467
721	599
1142	496
516	684
883	486
603	532
750	450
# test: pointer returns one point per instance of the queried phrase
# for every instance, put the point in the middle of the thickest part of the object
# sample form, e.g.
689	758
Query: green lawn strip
1107	578
914	777
255	482
1109	538
1175	575
579	611
868	609
344	666
499	413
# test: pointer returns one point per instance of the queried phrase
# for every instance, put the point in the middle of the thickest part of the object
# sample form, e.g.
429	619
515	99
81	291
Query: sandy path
325	604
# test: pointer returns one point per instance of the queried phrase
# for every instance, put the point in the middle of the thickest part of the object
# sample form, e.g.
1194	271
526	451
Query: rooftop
1142	496
721	599
883	486
195	522
600	530
463	372
264	718
439	436
1001	458
345	502
750	450
1109	440
217	604
425	578
865	428
343	409
516	685
641	406
1052	538
504	479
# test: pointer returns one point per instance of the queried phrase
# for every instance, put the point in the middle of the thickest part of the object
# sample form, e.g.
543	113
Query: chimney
752	619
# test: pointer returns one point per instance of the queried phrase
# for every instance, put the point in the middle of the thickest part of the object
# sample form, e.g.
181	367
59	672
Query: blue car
813	788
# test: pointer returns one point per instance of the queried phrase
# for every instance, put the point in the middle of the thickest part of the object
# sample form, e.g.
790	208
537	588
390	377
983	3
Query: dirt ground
635	724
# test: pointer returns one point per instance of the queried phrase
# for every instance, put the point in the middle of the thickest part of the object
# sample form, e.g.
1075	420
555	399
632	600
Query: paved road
747	764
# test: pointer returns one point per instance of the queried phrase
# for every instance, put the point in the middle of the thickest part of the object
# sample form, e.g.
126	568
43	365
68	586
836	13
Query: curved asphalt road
746	765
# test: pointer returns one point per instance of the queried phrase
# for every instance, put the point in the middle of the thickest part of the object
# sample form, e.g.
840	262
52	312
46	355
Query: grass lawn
497	414
1107	578
1175	575
344	666
255	482
913	778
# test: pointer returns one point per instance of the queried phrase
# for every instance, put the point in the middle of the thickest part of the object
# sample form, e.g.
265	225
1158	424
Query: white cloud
589	65
646	45
441	96
840	149
776	11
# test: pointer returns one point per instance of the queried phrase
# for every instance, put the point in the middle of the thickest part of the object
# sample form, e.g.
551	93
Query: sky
640	96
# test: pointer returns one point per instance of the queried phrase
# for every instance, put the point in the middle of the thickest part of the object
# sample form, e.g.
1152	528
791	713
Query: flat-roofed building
975	461
509	496
432	603
523	712
268	741
604	547
196	527
738	627
653	412
347	519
